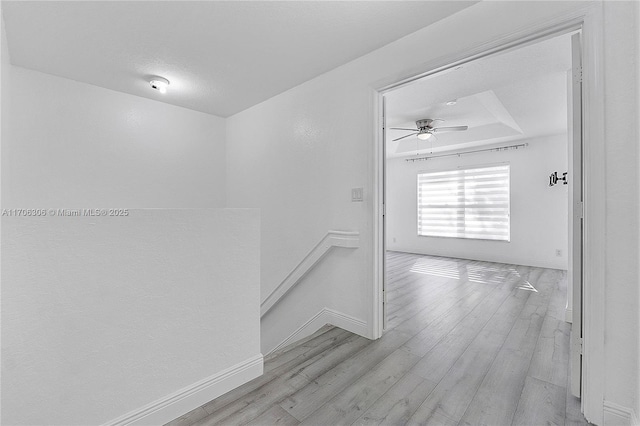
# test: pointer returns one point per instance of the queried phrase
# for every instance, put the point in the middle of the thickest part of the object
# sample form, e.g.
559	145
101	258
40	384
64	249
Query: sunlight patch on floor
435	267
527	286
482	274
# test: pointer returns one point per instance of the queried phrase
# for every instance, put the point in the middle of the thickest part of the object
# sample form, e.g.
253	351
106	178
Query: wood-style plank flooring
467	343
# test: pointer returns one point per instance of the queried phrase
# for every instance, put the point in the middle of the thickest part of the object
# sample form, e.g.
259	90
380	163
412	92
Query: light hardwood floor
468	343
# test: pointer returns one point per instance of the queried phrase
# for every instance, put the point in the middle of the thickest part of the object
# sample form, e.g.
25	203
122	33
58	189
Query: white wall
622	36
637	73
72	145
5	82
538	212
299	172
316	142
101	316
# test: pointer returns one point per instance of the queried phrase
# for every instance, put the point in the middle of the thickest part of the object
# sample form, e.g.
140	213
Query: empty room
319	212
477	233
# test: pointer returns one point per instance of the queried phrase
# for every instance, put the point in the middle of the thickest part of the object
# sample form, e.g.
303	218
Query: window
465	203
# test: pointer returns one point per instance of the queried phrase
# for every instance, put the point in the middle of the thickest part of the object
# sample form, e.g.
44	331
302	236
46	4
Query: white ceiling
516	95
221	57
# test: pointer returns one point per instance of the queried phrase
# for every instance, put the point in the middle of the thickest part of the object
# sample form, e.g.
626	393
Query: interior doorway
487	137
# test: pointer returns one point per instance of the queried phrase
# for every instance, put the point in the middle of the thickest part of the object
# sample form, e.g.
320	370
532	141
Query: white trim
346	322
186	399
323	317
615	414
589	19
594	216
537	263
377	313
332	239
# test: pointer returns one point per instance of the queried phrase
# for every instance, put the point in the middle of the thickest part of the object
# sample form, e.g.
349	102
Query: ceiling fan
424	129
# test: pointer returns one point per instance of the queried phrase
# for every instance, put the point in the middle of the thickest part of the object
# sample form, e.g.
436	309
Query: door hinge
384	210
577	75
576	345
384	296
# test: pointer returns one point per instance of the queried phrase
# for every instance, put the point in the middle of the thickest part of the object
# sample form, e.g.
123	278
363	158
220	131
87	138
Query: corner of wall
316	322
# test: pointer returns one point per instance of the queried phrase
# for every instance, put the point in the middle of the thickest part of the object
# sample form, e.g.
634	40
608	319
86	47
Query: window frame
460	168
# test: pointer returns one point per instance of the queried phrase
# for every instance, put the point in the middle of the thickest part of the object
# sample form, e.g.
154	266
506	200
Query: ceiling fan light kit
423	136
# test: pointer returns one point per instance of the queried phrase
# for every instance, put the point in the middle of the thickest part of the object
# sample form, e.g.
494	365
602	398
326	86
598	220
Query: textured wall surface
73	145
102	315
538	212
622	37
317	142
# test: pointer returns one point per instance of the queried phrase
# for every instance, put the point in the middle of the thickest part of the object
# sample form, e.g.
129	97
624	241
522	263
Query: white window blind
465	203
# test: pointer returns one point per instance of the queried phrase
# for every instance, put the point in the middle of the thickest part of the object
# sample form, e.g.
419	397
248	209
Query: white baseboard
319	320
347	322
184	400
615	414
527	261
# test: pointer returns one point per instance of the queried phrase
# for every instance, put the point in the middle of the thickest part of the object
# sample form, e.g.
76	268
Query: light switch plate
357	194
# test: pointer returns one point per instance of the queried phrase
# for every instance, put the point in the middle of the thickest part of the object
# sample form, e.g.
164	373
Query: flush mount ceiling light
453	102
160	84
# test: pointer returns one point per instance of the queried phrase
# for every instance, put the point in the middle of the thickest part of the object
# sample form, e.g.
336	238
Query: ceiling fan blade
450	129
402	128
411	134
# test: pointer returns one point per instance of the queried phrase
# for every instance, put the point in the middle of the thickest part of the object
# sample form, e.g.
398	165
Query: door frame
589	21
